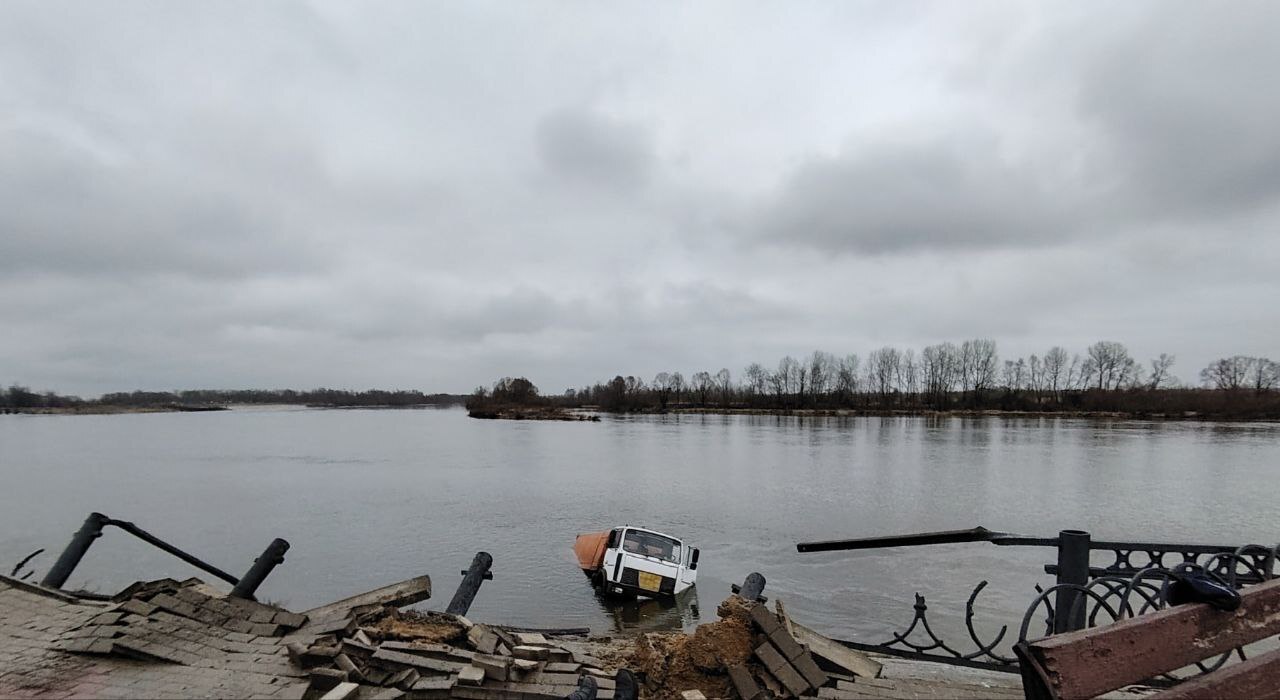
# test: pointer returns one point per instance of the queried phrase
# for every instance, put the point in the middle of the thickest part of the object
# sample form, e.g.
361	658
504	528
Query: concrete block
471	675
781	669
341	691
525	651
495	667
763	619
785	643
528	638
742	682
483	639
689	695
805	664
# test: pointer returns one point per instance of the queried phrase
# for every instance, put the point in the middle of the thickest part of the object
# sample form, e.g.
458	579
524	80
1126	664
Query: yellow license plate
650	582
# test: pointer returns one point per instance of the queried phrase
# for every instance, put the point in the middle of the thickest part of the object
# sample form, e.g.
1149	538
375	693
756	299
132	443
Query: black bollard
586	690
752	588
471	580
1073	568
71	556
271	557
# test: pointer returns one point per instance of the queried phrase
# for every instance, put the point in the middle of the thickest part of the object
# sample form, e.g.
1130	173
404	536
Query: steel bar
75	551
161	544
470	585
1073	568
271	557
977	534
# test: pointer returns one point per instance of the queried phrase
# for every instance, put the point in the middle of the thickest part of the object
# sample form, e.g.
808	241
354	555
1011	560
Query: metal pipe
977	534
75	551
1073	568
161	544
471	580
272	556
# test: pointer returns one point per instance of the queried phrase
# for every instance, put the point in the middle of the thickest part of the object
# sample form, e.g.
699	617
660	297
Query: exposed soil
673	663
412	626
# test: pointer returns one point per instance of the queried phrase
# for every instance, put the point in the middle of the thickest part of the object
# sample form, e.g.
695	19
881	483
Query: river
368	497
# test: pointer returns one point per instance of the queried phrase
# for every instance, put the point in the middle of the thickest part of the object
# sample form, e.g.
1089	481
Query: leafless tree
704	385
788	375
1265	374
662	387
724	383
882	372
821	370
677	385
1056	370
1109	365
757	377
1160	374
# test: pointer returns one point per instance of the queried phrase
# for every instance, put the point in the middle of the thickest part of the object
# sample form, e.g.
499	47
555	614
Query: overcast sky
434	195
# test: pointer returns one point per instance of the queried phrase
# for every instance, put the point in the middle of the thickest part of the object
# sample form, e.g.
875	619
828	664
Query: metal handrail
97	522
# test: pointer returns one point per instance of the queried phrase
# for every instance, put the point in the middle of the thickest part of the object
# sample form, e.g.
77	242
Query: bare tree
1265	374
1160	374
1109	365
725	384
883	371
703	384
662	387
821	370
787	375
940	365
1228	373
677	385
757	377
1055	370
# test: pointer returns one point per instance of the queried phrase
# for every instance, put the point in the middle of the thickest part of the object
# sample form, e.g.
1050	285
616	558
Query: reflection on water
371	497
651	615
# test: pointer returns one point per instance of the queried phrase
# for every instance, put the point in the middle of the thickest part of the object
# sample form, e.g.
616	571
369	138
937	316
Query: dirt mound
413	626
672	663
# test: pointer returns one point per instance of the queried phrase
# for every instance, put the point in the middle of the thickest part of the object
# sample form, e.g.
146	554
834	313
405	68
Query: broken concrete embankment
184	639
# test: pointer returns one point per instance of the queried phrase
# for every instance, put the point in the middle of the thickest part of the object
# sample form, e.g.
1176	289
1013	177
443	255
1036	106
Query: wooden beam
1090	662
1257	678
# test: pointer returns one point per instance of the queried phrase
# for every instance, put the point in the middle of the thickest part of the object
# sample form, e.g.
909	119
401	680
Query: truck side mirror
693	560
613	540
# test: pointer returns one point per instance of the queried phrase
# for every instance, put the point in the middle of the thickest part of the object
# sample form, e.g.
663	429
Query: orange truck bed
590	550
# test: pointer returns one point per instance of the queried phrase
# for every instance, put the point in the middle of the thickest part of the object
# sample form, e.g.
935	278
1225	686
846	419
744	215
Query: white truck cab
647	563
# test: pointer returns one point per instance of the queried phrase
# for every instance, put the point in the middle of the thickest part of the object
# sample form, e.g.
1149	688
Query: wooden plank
1257	678
853	661
1090	662
406	592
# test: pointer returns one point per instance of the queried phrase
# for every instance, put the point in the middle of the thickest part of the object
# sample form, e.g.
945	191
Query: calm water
371	497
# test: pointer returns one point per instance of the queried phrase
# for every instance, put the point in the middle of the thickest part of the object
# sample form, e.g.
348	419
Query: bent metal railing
93	526
1133	582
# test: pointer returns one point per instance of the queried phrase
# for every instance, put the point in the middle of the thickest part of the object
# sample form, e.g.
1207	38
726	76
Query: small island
518	399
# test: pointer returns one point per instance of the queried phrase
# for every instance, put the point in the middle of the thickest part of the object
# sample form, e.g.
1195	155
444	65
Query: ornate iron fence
1133	582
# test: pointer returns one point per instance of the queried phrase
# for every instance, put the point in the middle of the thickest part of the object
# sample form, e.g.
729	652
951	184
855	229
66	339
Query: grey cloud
893	198
592	148
1187	109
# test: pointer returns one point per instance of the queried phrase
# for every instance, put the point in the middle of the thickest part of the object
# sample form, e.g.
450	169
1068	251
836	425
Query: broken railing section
1081	591
97	522
471	580
751	588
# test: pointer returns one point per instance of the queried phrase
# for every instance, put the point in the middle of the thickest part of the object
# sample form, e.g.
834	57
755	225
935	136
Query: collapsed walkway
167	638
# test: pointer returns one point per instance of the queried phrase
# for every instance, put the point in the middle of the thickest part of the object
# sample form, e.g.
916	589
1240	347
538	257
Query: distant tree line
20	397
947	376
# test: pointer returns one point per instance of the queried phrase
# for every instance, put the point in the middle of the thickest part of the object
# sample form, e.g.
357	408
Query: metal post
471	580
75	551
262	566
1073	568
752	587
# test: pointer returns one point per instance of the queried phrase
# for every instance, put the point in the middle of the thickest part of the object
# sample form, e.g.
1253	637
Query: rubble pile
750	653
437	655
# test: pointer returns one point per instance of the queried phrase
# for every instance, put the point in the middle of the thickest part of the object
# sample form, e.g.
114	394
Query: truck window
652	545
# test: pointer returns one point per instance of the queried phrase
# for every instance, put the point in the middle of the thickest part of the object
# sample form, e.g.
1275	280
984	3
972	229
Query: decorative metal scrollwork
985	650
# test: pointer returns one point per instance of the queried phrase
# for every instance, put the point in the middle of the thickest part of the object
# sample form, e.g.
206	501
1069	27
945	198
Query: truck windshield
653	545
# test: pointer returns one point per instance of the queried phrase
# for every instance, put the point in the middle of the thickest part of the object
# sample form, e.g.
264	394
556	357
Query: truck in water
633	561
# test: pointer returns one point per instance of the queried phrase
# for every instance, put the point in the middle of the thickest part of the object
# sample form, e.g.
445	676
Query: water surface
368	497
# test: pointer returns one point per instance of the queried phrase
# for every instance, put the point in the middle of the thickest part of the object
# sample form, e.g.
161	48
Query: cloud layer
432	196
